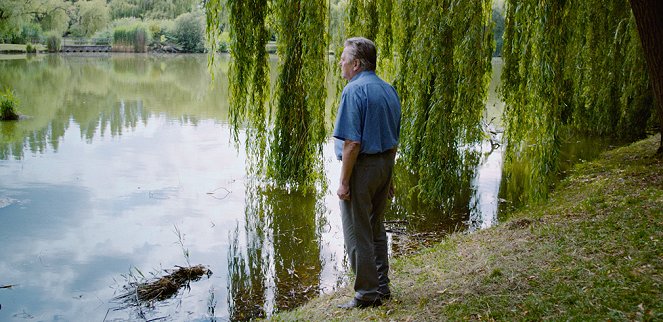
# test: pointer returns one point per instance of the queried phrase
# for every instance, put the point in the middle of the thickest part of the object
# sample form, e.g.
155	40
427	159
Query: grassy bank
17	48
594	251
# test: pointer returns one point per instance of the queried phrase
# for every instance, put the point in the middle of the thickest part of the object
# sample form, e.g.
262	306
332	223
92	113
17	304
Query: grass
18	48
592	252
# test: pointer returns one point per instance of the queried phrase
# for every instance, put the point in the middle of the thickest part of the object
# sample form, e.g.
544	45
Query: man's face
349	66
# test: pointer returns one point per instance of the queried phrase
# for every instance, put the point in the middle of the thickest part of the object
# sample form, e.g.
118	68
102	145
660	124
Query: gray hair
364	50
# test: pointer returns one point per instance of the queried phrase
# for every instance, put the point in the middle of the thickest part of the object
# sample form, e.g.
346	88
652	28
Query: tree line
176	23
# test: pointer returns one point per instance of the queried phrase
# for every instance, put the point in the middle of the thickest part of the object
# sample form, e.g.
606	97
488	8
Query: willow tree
650	27
373	19
299	127
297	131
443	72
569	66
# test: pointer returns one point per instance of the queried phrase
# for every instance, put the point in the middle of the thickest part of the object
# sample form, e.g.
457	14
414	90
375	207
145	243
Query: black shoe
384	292
360	304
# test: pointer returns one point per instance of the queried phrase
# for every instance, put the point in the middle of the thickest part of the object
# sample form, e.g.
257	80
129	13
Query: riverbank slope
594	251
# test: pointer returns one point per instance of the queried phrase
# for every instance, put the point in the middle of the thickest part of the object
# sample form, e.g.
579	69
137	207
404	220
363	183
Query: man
366	131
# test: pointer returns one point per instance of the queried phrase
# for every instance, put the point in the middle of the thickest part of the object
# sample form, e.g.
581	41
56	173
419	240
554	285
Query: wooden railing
75	41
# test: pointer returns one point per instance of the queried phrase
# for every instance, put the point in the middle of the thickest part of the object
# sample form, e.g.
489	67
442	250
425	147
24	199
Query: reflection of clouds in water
332	249
5	201
486	185
68	262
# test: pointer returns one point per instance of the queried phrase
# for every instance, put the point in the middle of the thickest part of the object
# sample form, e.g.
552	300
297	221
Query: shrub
8	104
53	42
30	49
103	36
190	32
30	32
161	30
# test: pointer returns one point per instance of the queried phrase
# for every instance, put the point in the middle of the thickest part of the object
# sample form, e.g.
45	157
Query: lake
123	170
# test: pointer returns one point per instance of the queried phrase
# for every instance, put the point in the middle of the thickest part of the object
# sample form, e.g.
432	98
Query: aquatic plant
53	41
133	37
8	103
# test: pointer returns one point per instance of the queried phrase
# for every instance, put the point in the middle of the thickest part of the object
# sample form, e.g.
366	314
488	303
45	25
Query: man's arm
350	153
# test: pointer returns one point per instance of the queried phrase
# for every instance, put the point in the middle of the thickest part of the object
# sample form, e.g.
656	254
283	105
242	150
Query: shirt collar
362	74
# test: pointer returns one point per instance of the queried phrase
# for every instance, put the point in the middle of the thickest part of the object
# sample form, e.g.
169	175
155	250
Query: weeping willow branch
299	128
249	70
569	65
443	79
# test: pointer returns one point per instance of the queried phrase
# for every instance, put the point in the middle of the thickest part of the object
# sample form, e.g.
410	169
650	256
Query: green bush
30	49
103	36
53	42
190	32
132	37
30	33
8	103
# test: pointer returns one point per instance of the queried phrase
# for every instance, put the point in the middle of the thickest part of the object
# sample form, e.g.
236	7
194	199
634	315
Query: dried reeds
147	292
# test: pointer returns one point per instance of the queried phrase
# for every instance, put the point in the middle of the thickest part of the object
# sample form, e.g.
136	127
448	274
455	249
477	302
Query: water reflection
266	273
109	93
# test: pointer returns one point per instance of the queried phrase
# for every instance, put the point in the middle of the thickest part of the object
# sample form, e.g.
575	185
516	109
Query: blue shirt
369	113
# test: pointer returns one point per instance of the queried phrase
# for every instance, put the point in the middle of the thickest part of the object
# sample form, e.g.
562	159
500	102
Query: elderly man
367	131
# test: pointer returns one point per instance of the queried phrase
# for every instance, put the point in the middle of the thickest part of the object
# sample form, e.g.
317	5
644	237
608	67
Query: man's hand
350	153
343	192
392	192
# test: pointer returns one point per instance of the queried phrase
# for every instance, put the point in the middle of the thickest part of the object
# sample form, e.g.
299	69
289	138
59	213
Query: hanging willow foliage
299	128
441	63
443	76
294	155
569	65
249	70
373	19
361	19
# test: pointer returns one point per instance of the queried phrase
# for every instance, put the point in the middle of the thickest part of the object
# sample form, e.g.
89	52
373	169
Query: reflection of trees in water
416	223
457	194
107	93
37	141
279	268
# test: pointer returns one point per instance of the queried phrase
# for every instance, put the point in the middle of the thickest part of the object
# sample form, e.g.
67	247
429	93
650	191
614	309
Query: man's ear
355	64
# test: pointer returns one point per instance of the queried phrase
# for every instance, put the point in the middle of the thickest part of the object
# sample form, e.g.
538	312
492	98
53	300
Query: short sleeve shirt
369	113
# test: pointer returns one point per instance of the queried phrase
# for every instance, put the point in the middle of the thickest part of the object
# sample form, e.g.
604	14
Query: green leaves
442	79
294	158
299	128
573	65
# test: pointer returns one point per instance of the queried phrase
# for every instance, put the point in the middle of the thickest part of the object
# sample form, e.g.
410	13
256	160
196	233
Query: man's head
358	55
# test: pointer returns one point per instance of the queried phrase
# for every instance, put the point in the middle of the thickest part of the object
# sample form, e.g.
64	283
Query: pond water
124	168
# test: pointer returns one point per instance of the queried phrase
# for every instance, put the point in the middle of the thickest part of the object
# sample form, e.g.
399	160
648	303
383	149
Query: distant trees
151	9
177	23
18	18
498	30
92	16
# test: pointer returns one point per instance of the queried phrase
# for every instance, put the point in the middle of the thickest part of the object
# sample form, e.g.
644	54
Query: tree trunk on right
649	19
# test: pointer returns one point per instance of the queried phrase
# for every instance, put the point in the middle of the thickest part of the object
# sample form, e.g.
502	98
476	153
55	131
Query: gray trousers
363	227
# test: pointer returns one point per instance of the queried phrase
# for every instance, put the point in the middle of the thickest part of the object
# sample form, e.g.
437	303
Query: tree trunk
649	19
